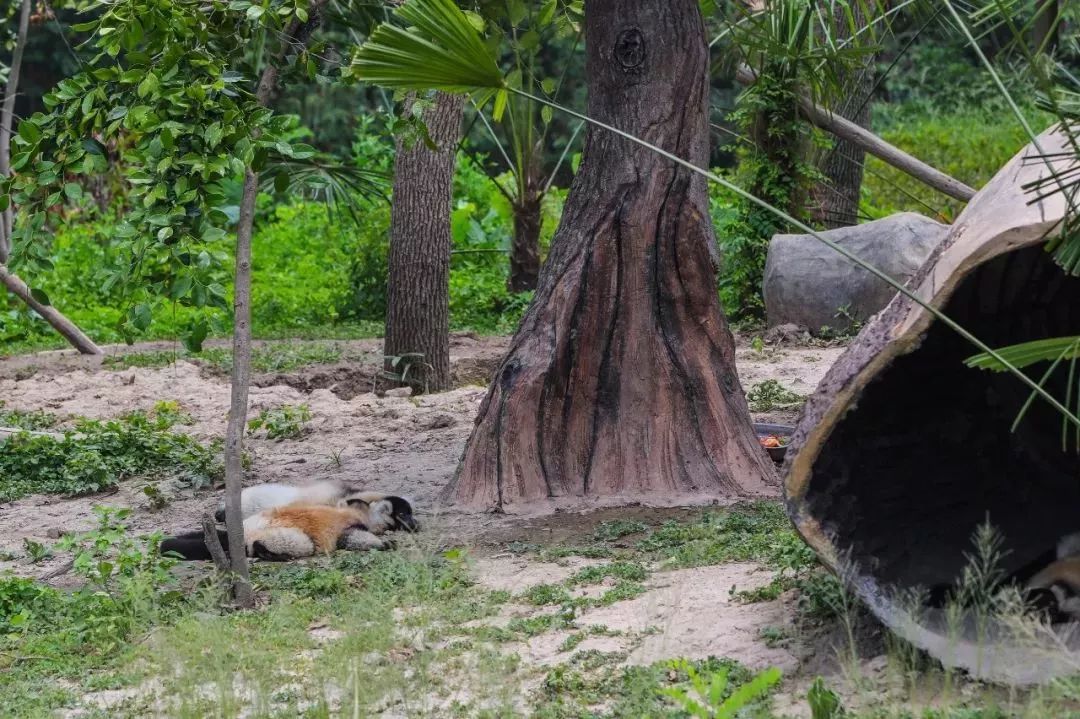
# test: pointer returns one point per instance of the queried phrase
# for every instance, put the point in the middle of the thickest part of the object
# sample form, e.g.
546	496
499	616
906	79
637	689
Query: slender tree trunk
298	35
239	385
525	246
7	117
418	287
621	379
65	327
838	193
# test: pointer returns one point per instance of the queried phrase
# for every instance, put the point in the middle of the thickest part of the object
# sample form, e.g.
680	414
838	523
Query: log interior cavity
927	453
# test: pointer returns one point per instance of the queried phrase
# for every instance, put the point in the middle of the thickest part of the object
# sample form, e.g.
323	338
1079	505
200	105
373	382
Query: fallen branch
61	324
887	153
213	544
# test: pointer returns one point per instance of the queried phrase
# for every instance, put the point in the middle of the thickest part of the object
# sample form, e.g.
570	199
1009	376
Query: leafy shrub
285	422
770	394
98	454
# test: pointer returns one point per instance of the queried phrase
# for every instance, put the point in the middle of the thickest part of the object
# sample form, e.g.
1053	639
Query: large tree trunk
621	379
418	288
837	194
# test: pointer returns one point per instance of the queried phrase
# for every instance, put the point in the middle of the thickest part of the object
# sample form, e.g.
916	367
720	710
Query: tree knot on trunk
629	50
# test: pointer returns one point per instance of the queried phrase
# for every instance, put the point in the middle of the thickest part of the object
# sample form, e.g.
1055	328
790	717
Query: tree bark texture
621	378
525	246
7	118
418	286
837	195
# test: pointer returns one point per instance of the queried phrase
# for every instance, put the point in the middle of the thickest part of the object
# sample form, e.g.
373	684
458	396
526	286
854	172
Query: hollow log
903	451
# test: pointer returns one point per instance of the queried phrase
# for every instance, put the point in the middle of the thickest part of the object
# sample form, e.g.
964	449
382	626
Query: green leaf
5	202
547	13
116	113
148	85
181	286
39	295
73	191
29	131
87	103
501	98
195	335
281	182
93	146
140	316
255	12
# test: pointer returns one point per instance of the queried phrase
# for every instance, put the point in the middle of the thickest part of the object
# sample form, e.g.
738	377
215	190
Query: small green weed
36	551
630	571
771	395
824	703
774	636
269	357
285	422
543	594
589	686
713	697
35	420
614	529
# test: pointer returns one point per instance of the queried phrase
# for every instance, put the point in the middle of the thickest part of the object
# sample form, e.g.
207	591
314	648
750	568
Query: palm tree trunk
838	193
525	246
418	287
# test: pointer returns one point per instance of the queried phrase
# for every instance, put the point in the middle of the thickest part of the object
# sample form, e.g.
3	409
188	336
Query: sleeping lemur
1057	585
267	496
299	530
1050	583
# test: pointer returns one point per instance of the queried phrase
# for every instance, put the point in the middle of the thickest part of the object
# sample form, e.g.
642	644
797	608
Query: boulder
808	283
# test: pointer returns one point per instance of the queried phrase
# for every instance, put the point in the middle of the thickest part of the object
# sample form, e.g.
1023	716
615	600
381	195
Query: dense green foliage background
319	273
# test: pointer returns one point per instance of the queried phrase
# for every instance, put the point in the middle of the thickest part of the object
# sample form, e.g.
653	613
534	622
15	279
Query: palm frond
325	179
1027	353
437	49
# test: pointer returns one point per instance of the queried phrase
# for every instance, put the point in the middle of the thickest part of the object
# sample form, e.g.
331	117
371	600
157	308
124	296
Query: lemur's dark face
403	514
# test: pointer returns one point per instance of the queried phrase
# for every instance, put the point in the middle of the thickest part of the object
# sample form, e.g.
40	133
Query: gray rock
810	284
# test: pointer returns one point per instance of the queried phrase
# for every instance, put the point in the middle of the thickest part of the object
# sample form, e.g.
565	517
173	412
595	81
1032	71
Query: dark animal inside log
903	451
